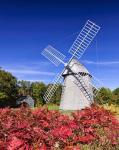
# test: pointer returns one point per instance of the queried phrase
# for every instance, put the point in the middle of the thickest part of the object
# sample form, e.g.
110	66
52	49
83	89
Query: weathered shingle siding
27	100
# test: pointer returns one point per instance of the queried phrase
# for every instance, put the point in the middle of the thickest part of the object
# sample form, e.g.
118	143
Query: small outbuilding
26	101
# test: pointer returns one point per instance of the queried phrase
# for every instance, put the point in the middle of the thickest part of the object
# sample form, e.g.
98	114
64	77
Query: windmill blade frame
96	85
52	88
53	55
84	39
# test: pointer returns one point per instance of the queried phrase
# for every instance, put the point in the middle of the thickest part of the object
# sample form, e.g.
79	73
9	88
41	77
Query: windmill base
73	107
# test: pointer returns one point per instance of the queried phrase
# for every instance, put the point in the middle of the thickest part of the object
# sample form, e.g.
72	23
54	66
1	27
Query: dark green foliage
116	96
57	96
8	88
38	90
116	92
106	96
24	87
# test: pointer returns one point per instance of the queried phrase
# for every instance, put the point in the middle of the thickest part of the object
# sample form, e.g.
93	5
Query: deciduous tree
8	87
38	90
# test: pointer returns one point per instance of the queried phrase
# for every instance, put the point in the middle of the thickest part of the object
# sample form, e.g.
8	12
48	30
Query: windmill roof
77	67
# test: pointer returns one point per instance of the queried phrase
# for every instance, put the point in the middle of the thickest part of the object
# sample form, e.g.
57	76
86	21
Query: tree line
11	89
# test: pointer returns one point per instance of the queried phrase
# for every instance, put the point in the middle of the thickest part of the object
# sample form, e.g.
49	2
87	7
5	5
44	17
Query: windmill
78	91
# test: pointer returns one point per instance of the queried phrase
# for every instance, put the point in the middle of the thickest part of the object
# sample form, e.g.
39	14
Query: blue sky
28	26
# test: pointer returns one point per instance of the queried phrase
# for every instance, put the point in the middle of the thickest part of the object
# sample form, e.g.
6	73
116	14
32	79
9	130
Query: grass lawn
52	107
56	107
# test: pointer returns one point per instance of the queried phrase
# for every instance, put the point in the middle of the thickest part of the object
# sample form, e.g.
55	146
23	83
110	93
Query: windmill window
83	73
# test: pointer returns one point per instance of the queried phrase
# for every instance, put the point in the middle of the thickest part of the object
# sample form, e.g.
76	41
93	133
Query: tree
8	87
116	92
38	90
116	96
24	87
57	95
104	96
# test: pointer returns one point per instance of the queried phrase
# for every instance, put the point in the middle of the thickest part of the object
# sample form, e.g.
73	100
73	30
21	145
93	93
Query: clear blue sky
27	26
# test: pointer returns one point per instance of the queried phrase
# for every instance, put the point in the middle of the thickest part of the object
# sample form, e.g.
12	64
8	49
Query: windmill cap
77	67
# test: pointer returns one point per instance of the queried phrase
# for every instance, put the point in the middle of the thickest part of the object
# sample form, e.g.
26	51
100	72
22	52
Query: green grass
53	107
56	107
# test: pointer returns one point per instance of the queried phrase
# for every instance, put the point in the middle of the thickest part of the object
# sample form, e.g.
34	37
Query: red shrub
41	129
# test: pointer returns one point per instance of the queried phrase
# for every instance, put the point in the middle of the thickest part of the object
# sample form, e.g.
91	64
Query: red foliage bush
40	129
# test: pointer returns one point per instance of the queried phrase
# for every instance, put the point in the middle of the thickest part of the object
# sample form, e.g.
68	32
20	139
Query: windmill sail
84	39
52	88
53	55
95	90
96	85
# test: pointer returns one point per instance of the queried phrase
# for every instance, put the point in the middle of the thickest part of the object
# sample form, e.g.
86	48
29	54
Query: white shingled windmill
78	91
